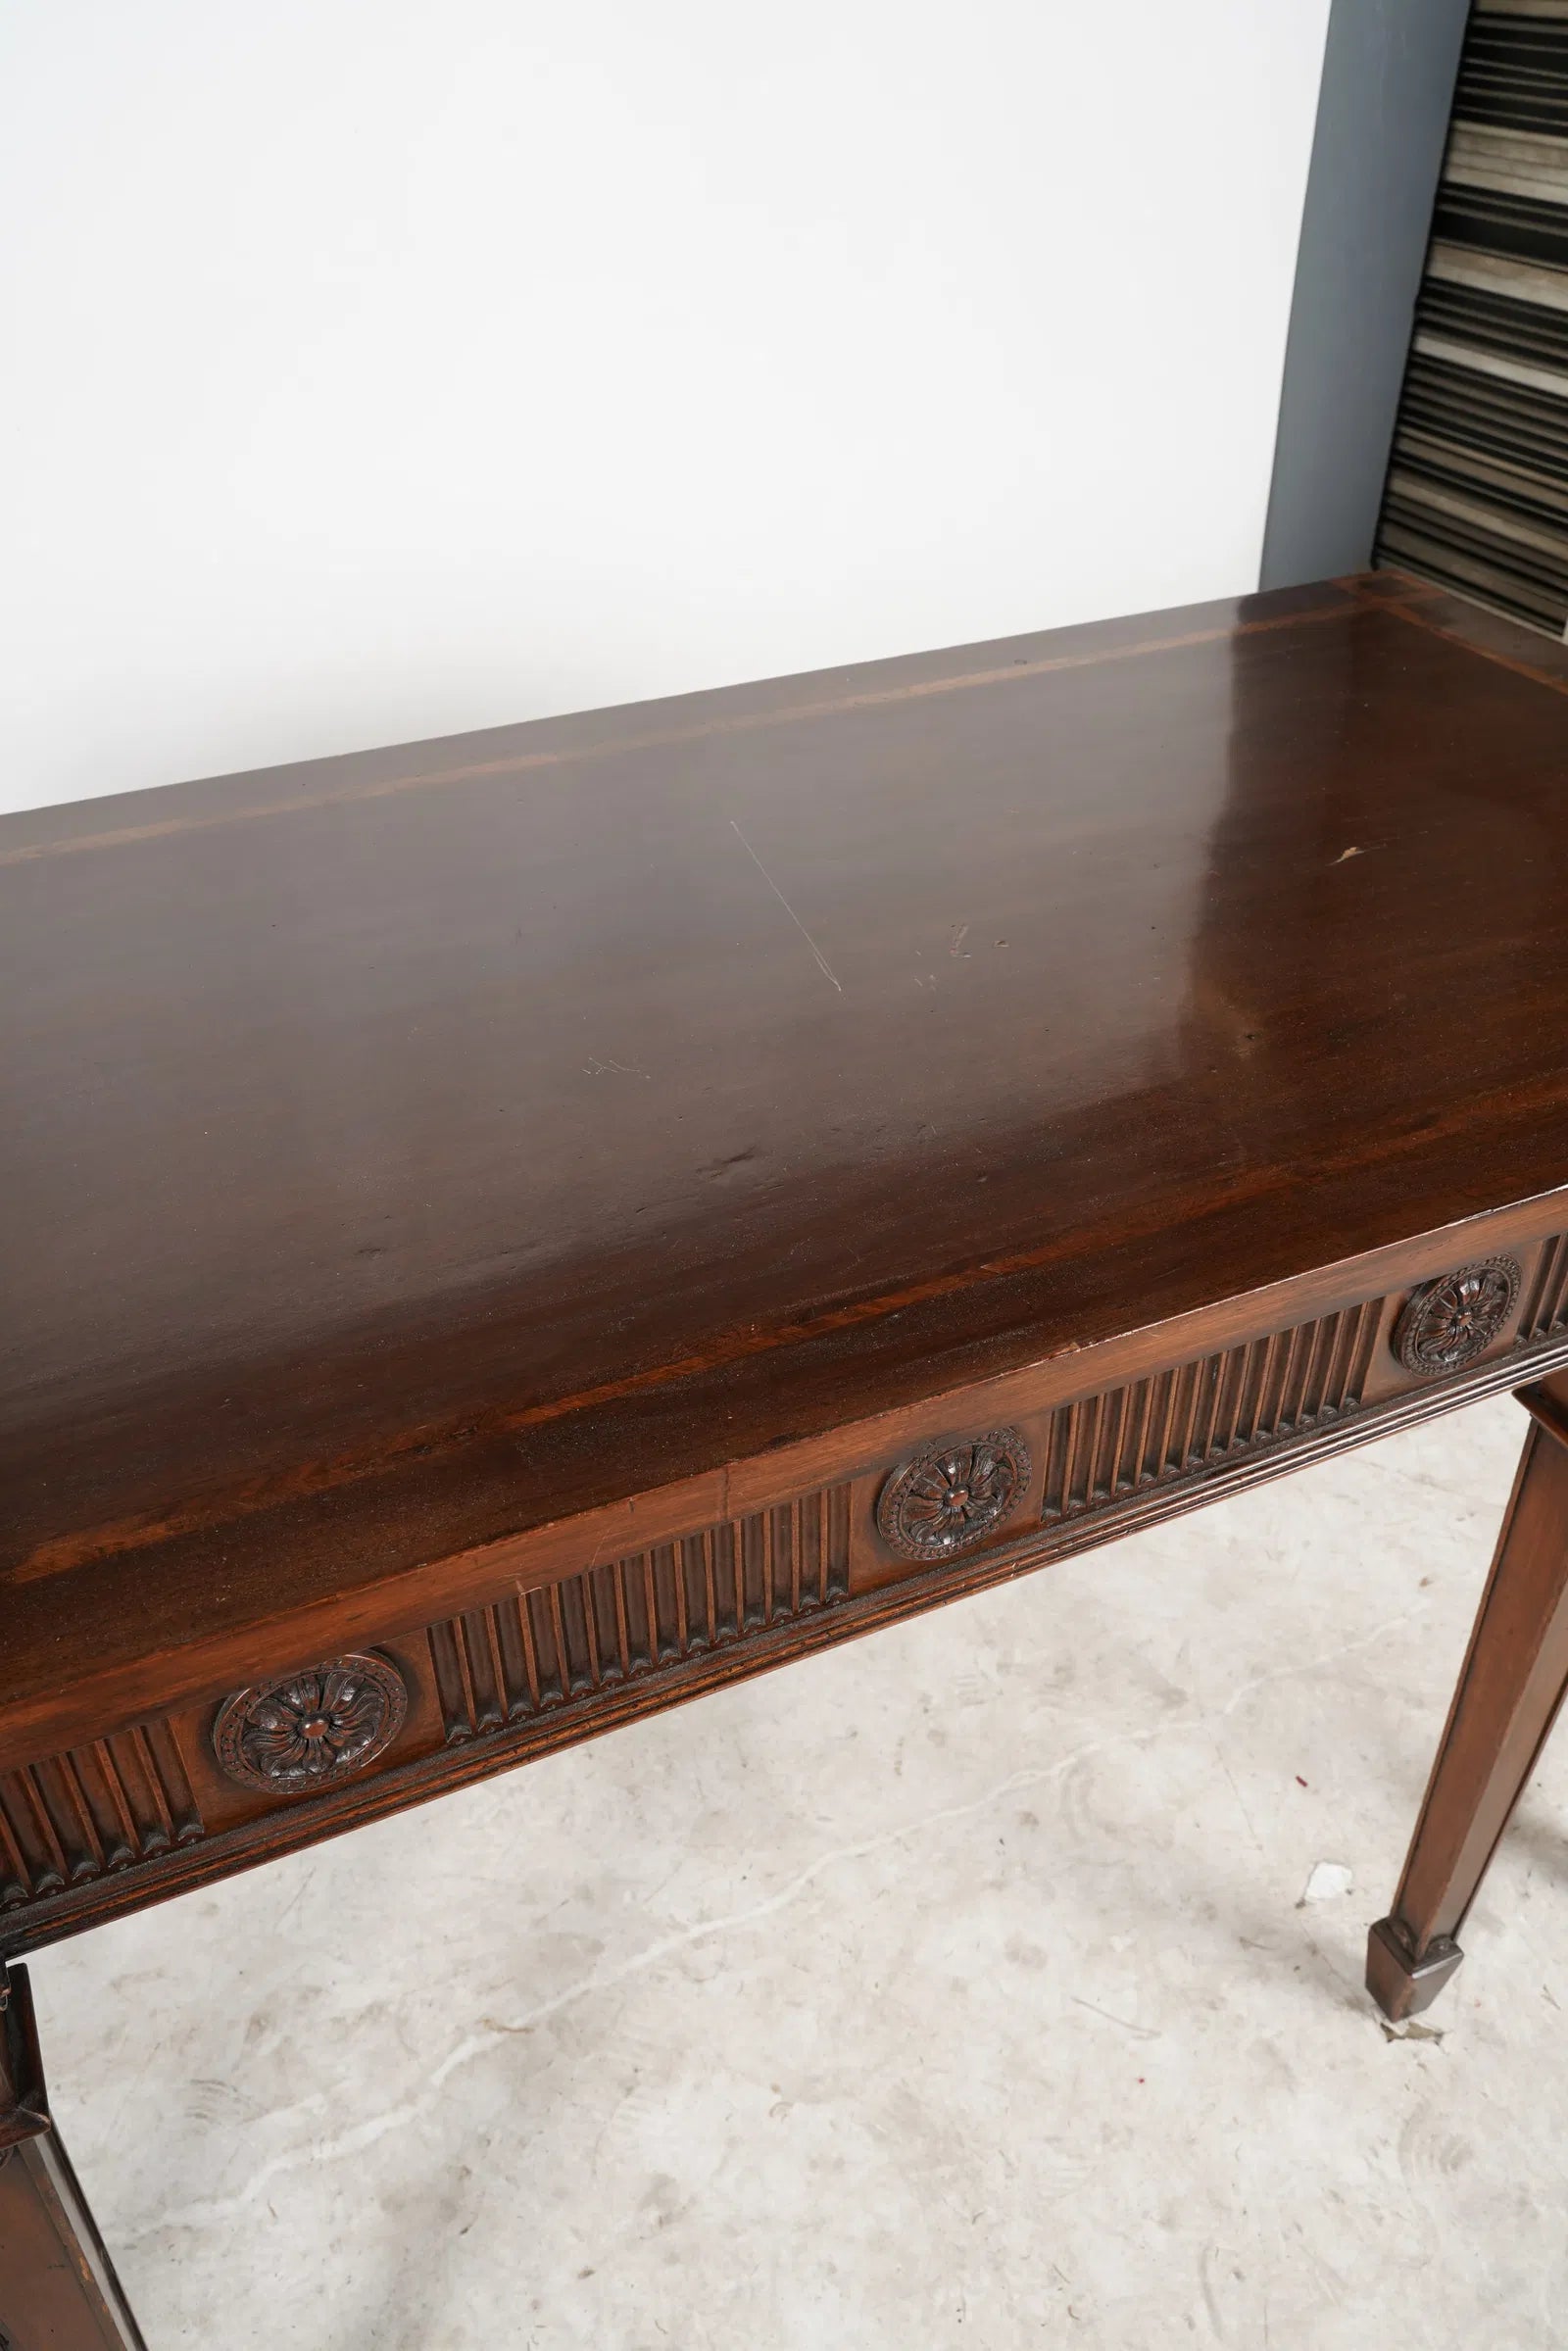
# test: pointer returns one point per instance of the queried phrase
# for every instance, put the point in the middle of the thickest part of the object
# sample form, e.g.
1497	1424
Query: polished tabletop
443	1137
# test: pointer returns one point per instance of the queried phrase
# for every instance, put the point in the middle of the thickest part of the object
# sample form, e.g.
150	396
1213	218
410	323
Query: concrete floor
956	1988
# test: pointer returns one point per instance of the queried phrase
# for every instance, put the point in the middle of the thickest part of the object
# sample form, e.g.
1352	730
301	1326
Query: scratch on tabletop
827	968
1348	853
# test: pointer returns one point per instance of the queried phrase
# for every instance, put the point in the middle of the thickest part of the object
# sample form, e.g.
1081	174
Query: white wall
375	368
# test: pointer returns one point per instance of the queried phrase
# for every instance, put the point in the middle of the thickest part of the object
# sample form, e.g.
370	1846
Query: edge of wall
1388	74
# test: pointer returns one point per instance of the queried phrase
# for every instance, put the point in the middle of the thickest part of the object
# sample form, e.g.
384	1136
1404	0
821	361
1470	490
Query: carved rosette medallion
303	1734
952	1496
1450	1323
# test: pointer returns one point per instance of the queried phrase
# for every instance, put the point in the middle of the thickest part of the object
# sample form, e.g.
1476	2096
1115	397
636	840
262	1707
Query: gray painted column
1389	73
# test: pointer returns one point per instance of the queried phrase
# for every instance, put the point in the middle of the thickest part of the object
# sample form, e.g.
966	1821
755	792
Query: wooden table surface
407	1149
503	1233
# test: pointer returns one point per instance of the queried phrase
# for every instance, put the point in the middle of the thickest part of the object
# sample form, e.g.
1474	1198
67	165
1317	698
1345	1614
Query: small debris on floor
1413	2031
1326	1882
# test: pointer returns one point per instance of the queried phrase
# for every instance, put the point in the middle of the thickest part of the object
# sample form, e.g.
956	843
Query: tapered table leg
58	2289
1510	1687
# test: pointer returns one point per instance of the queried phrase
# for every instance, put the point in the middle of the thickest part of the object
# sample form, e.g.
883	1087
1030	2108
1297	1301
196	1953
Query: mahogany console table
507	1234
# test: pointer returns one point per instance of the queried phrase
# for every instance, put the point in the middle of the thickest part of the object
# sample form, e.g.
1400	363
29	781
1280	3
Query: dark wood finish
949	1498
1509	1692
1452	1322
311	1730
507	1233
415	1151
57	2289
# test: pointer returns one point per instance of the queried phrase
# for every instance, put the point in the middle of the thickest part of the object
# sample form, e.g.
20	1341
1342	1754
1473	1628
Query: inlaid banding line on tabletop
1418	619
620	1617
63	1554
668	738
770	1263
1219	1406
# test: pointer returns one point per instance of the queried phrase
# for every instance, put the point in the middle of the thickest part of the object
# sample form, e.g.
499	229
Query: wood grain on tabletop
443	1139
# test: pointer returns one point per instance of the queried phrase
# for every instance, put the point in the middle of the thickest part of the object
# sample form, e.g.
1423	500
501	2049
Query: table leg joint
1545	1410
